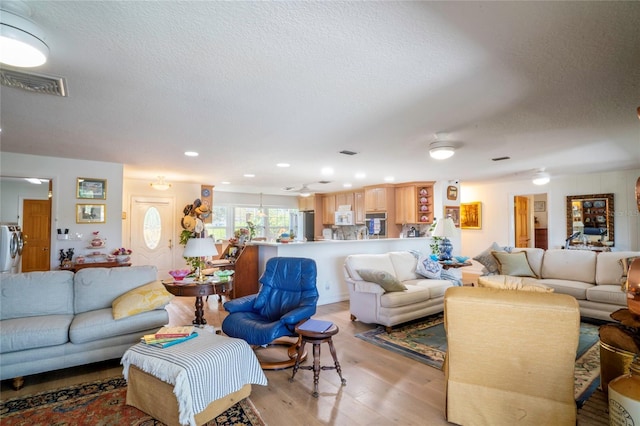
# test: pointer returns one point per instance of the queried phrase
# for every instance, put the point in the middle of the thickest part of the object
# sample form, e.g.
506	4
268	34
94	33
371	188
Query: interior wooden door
152	225
521	217
36	231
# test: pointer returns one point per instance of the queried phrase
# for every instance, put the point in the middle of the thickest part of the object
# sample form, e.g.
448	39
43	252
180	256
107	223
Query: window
218	225
152	228
228	219
278	221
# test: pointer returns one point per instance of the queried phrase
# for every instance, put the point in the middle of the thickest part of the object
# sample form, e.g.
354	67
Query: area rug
101	403
425	341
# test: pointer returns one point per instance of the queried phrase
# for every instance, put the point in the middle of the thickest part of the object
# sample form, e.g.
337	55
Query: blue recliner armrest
298	314
243	304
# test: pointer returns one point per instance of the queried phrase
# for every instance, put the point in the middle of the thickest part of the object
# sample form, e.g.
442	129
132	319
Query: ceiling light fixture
541	178
160	184
261	212
441	149
191	154
21	40
304	192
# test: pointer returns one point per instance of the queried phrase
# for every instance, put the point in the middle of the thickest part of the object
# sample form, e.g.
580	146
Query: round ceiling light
541	178
441	152
21	42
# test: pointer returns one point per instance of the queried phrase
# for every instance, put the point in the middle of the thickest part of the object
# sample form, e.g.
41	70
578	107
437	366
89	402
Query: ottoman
192	382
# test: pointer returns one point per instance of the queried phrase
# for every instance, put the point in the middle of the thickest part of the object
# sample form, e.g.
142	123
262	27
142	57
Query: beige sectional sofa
368	301
593	278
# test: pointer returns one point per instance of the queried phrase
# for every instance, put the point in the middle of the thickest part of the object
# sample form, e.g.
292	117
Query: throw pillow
626	264
514	264
428	268
141	299
487	260
505	282
384	279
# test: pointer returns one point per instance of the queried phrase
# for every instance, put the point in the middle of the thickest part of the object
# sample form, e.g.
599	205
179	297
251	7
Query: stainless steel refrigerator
302	225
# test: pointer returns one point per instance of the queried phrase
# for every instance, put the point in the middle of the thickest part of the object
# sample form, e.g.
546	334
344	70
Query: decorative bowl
122	258
462	259
179	274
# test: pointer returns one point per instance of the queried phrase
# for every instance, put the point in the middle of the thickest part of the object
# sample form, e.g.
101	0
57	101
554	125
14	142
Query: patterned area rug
101	403
425	341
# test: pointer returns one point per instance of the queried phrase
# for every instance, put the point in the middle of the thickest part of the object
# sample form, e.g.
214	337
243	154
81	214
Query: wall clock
206	192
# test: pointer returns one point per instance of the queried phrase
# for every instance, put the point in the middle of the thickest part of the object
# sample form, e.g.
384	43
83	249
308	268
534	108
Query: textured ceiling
553	85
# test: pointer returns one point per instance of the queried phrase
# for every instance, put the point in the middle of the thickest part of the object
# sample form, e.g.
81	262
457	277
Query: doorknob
170	243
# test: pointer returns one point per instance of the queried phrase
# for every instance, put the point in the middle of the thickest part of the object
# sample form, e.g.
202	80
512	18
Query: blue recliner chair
287	296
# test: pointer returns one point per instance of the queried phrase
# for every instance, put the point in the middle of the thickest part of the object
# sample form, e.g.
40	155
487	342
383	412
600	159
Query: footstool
316	338
192	382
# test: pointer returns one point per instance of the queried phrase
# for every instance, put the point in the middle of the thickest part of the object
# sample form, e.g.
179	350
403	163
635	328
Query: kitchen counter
330	255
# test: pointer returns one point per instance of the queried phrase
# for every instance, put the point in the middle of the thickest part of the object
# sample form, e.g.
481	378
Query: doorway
36	231
152	226
530	221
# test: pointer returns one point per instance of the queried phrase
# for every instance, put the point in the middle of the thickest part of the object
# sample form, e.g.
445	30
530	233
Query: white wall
497	208
64	173
12	194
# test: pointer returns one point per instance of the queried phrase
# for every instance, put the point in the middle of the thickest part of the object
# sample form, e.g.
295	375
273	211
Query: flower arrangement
242	232
121	252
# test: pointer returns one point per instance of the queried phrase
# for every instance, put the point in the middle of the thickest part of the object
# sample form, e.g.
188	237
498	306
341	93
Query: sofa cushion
428	268
380	262
577	289
506	282
20	334
609	294
99	324
487	260
609	268
22	294
96	288
436	287
514	264
414	294
571	265
384	279
141	299
404	265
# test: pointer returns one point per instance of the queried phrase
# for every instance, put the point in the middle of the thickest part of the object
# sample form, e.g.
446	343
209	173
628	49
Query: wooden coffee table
188	288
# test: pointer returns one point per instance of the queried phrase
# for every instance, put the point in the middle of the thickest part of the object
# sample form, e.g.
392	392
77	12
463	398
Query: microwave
344	218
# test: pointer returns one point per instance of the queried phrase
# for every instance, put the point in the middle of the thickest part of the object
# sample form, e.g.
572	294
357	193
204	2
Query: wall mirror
590	219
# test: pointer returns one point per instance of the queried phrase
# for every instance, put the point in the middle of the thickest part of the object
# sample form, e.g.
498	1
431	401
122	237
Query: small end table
197	290
447	265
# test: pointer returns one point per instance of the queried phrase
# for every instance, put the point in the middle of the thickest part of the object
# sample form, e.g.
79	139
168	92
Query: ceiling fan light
442	152
21	42
305	193
541	178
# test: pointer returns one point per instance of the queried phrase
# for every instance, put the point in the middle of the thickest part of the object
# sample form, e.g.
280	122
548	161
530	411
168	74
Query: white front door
152	222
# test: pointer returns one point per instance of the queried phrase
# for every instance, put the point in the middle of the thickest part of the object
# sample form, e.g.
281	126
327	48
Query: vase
122	258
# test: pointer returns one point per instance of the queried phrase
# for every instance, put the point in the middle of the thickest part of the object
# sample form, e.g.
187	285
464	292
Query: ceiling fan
304	191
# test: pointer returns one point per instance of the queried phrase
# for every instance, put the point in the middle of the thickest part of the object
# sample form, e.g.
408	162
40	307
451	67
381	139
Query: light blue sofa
58	319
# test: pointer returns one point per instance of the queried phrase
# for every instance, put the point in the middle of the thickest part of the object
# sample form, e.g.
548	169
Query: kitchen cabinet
307	203
376	198
344	199
358	207
414	203
328	209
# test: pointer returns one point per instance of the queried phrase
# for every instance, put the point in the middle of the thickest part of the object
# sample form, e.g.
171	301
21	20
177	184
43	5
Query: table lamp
200	247
445	228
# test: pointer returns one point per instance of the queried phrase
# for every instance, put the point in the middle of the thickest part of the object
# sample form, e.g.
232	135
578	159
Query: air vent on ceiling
500	158
347	152
37	83
324	182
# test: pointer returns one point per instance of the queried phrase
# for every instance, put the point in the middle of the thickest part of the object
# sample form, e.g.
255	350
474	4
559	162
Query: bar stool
316	339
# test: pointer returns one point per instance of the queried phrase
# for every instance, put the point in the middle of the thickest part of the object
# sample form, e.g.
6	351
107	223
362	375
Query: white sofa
594	279
368	301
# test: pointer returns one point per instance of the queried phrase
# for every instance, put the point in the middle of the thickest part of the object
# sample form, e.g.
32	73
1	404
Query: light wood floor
382	388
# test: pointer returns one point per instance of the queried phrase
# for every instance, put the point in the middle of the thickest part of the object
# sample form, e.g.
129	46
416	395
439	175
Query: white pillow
429	268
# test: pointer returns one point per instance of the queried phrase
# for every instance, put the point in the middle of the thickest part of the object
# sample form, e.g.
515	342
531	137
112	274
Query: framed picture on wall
454	213
539	206
471	215
91	213
452	192
91	189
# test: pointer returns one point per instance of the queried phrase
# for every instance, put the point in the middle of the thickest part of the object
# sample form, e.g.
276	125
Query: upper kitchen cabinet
307	203
344	199
328	209
379	198
358	207
414	203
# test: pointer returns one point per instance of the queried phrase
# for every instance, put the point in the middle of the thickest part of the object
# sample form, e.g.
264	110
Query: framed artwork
452	192
91	189
539	206
91	213
471	215
454	213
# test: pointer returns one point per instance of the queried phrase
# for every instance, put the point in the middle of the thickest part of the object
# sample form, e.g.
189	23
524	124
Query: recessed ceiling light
389	179
283	165
360	175
249	175
347	185
225	182
191	154
326	171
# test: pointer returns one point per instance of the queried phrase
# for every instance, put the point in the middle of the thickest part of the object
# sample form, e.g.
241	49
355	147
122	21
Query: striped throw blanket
201	370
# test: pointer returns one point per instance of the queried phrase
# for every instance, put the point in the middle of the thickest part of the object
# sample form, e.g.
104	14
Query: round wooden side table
316	339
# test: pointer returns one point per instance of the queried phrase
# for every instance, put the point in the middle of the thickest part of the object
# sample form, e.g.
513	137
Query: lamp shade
445	228
200	247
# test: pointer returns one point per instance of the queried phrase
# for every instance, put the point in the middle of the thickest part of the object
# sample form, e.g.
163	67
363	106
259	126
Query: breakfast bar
330	255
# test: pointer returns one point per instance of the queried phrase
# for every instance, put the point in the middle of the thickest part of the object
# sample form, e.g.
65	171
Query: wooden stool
316	339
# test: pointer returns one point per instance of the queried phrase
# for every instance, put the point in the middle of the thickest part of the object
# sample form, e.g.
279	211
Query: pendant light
261	212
